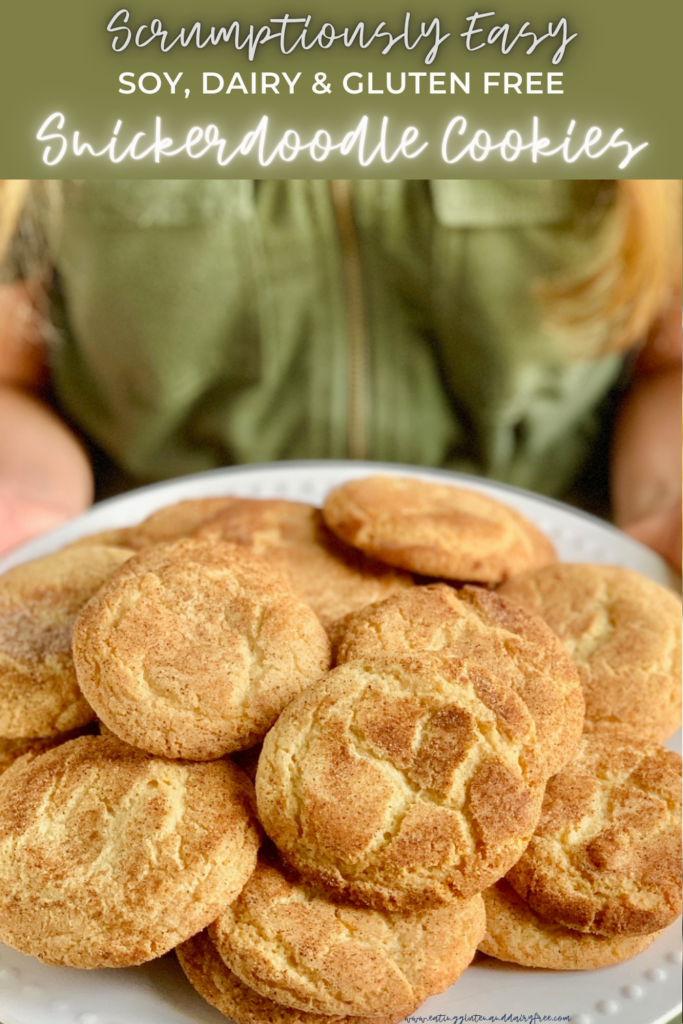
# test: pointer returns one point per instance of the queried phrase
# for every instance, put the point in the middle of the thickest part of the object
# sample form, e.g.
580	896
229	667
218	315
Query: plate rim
14	555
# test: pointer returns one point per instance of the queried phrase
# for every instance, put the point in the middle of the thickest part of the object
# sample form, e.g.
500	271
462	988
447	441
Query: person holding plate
515	329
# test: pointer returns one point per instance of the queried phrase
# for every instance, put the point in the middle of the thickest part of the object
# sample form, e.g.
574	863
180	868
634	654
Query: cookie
173	522
624	633
436	529
193	649
12	750
330	576
178	521
291	944
114	538
39	602
110	857
606	856
212	979
402	784
517	646
515	934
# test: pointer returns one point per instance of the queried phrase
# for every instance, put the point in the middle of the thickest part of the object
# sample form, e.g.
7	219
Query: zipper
340	192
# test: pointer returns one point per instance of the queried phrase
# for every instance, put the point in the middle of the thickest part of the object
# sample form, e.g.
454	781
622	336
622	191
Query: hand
45	476
661	531
646	456
23	518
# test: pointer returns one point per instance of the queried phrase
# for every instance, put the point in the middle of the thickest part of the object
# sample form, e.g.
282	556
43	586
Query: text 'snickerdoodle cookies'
516	934
624	633
194	649
110	857
403	784
330	576
289	942
39	602
436	529
606	856
509	643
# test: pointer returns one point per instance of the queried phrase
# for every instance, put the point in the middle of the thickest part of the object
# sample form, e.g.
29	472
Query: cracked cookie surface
402	784
219	986
288	941
606	856
194	649
516	934
623	631
110	857
517	647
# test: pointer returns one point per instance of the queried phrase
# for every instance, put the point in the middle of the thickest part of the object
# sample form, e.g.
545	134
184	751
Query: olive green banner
508	88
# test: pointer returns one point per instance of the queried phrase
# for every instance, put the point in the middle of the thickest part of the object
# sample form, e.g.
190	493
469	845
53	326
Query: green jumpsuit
205	323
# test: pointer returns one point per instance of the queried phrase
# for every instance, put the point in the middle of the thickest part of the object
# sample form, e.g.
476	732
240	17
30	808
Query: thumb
662	532
21	519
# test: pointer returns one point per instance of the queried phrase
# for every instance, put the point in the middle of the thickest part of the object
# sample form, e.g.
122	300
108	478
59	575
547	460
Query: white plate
645	990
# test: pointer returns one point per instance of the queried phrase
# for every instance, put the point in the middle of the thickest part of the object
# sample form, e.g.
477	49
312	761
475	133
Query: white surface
645	990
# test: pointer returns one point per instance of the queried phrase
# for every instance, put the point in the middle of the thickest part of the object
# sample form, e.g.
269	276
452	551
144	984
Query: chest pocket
157	203
156	282
523	387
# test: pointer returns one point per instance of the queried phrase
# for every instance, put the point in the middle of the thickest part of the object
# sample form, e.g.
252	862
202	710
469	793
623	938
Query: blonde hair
637	268
13	196
634	276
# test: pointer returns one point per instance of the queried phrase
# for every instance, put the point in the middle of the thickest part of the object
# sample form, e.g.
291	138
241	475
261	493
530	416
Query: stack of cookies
455	743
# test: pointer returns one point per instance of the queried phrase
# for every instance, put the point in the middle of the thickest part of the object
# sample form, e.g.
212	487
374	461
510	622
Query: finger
22	520
661	532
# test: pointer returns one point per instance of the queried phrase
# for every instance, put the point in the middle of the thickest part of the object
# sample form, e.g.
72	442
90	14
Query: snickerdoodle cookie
12	750
402	784
436	529
39	602
173	522
331	576
514	933
116	538
216	983
193	649
180	520
290	943
110	857
606	855
515	645
624	633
